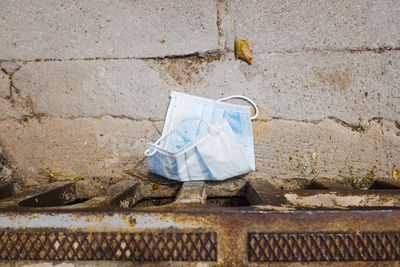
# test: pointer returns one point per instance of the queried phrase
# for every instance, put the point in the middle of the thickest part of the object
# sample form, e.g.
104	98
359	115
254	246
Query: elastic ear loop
244	98
147	152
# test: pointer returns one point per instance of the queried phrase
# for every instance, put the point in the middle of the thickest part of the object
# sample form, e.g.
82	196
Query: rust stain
156	186
96	217
12	216
232	225
130	219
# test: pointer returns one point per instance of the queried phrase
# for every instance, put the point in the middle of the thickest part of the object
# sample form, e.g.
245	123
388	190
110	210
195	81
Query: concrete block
192	192
107	29
94	88
353	87
64	149
278	26
288	149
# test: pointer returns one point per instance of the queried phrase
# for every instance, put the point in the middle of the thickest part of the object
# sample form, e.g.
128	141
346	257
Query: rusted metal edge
231	228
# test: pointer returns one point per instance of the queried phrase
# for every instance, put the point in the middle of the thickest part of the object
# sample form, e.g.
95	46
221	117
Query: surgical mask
183	106
214	154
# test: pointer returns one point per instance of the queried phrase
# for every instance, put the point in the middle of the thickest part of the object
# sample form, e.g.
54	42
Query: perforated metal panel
108	246
281	247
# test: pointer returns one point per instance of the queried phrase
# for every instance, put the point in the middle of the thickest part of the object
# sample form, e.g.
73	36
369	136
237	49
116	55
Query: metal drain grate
108	246
281	247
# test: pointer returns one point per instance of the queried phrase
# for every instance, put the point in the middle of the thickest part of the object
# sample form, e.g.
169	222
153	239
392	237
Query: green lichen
365	182
370	177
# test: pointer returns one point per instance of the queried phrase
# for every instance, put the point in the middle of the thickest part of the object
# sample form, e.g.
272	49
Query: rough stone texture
311	85
106	28
7	110
192	192
353	87
288	149
10	67
391	146
4	85
10	107
276	26
70	149
94	88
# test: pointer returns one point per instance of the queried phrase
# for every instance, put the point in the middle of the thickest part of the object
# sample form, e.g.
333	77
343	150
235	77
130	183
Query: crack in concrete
15	93
11	75
215	52
397	125
378	50
222	10
12	87
159	132
353	127
40	116
359	128
3	70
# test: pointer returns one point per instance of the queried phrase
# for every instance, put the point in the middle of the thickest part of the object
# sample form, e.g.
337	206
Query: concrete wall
85	84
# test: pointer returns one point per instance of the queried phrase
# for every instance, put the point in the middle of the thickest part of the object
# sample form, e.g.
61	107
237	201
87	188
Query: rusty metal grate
108	246
289	247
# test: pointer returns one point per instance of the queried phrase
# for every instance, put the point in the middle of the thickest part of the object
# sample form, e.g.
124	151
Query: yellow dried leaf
242	50
64	176
396	174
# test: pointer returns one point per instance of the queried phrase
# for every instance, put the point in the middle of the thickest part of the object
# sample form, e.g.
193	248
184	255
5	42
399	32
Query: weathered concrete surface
278	26
288	149
8	110
94	88
4	85
45	148
8	107
61	149
11	105
87	29
9	67
324	74
192	192
354	87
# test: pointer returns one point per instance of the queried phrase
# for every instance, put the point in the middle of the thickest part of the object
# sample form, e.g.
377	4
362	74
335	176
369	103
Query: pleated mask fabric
189	117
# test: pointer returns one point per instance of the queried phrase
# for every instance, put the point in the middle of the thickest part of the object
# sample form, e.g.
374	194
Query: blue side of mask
183	106
215	154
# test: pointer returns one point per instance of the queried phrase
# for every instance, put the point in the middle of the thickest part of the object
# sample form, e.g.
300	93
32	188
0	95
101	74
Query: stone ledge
66	29
287	26
354	87
56	148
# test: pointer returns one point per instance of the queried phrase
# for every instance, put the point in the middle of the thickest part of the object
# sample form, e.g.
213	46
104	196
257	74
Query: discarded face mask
184	130
184	106
215	154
